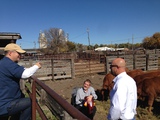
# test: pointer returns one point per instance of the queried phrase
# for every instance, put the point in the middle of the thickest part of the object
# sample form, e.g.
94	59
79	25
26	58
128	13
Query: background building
42	40
6	38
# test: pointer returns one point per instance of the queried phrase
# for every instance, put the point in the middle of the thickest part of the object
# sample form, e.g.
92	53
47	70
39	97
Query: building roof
10	35
104	49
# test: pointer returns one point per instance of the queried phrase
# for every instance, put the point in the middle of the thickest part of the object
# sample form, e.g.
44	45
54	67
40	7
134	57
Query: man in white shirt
123	96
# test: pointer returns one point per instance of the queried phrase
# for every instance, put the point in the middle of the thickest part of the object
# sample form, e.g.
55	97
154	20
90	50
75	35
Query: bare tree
55	40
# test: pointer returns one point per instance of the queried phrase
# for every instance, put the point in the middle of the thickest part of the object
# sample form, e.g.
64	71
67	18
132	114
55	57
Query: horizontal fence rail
71	110
66	68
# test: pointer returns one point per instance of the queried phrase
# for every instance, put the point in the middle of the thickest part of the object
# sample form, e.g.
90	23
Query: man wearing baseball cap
11	100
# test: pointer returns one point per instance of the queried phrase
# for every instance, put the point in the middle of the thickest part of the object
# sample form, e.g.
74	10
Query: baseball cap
12	47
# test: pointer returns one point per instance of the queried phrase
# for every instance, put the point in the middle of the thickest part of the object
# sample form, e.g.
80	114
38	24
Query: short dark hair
88	80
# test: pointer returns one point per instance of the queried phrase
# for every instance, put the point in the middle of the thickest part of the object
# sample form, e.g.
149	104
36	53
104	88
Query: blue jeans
20	107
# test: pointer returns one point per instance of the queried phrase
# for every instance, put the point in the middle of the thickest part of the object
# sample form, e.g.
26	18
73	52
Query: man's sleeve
93	93
78	97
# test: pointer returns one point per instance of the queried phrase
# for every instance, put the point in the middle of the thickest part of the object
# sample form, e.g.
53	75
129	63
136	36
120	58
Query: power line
127	39
78	36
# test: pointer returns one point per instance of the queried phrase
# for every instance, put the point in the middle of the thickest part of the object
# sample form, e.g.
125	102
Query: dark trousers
20	109
84	110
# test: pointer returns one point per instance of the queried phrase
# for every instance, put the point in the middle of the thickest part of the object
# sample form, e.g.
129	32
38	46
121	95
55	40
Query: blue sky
109	21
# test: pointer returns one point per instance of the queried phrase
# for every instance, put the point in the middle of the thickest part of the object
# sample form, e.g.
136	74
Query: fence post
30	62
34	100
52	64
22	85
134	61
89	65
72	68
147	61
107	65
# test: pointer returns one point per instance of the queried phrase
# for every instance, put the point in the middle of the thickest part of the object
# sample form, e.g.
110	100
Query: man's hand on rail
38	64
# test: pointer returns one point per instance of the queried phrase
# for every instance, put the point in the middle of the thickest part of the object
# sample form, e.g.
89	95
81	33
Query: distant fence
64	68
88	67
145	60
69	66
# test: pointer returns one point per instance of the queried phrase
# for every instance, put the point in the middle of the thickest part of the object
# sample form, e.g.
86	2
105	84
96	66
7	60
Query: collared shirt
123	98
10	75
81	94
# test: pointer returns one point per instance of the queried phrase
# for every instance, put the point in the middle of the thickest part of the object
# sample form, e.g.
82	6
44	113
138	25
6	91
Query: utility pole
67	37
88	39
132	42
34	45
89	53
128	43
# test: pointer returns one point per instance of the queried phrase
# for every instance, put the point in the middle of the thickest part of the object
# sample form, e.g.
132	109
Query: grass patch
142	113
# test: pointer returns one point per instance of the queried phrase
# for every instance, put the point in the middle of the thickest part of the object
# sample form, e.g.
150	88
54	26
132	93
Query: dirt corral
64	88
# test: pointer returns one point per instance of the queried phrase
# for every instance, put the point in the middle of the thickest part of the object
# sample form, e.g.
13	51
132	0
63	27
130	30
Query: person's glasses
17	52
113	66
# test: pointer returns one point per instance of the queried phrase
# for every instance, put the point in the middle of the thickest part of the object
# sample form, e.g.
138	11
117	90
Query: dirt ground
64	87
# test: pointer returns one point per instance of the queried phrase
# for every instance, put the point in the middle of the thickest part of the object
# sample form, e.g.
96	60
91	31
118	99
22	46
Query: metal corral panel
150	51
109	60
88	67
127	58
129	61
62	68
140	62
152	62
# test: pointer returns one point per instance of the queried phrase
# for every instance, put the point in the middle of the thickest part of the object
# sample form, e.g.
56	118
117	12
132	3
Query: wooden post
89	65
52	64
34	100
42	97
22	85
72	68
134	61
30	62
107	65
147	61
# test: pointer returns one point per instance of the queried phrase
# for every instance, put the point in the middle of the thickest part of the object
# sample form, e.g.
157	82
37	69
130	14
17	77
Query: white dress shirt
123	98
28	72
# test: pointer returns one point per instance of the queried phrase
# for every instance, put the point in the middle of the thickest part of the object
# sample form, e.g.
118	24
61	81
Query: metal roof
10	35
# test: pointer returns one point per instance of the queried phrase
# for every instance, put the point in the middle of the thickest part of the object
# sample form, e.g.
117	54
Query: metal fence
62	111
